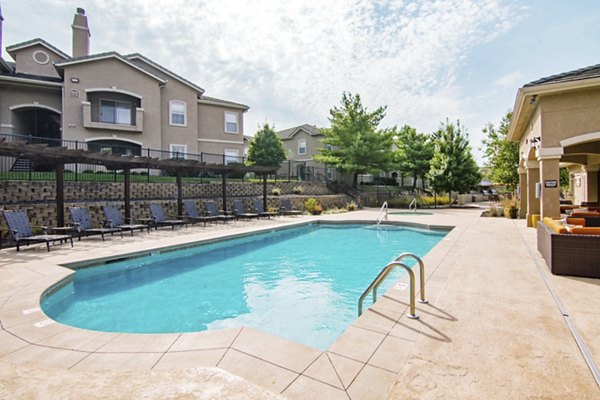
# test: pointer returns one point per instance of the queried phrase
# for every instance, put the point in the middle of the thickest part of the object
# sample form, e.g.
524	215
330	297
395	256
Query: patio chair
21	232
83	224
160	219
240	210
194	216
258	206
286	208
211	209
114	220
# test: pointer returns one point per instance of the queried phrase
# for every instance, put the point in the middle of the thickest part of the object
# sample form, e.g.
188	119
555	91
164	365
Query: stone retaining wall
37	198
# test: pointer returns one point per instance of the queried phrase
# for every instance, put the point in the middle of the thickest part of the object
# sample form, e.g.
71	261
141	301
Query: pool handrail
421	277
414	201
382	216
382	275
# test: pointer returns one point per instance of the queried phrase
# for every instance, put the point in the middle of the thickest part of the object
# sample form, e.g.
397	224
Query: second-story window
231	122
177	112
115	112
302	146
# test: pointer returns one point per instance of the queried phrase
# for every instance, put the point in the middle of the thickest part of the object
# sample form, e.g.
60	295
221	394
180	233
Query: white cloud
290	61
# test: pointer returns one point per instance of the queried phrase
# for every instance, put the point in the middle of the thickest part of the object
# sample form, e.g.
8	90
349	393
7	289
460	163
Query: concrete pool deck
492	329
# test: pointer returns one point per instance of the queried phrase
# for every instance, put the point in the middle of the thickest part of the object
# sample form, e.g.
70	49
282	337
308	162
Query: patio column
522	192
533	177
591	182
550	179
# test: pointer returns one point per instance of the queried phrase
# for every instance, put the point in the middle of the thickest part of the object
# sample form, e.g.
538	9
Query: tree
266	148
502	156
414	153
356	145
453	167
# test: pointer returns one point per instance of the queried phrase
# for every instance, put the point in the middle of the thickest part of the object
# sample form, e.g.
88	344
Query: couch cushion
585	231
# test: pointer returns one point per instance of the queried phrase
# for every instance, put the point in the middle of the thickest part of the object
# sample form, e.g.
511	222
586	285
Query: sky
291	60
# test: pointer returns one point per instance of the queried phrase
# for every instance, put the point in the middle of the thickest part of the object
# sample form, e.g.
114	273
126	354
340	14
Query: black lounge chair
258	206
286	208
20	231
114	220
83	224
240	210
160	219
211	209
194	216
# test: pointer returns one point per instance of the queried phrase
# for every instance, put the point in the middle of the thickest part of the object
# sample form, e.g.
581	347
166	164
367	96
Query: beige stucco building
113	102
556	120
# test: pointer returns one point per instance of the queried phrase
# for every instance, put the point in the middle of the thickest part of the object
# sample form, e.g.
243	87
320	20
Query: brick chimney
81	34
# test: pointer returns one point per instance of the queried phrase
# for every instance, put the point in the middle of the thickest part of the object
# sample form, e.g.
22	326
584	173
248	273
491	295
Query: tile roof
288	133
576	75
163	69
35	41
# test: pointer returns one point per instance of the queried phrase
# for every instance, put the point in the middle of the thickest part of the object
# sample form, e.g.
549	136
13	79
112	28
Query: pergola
59	156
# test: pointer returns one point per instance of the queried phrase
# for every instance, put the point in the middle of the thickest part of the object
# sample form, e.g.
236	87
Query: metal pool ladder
381	216
385	273
413	202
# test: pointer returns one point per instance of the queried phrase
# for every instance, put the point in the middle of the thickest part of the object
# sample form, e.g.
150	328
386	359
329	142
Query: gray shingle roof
32	77
224	102
576	75
163	69
37	41
288	133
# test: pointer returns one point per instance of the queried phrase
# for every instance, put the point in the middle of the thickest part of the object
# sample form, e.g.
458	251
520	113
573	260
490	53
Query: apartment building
111	101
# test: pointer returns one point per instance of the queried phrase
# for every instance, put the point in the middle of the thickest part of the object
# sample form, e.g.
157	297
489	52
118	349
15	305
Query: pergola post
127	192
179	193
60	194
265	192
224	190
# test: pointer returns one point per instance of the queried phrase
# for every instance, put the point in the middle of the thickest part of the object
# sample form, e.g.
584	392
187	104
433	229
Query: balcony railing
89	123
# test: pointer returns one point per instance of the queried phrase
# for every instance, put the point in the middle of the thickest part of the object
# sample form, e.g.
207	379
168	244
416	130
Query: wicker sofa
568	253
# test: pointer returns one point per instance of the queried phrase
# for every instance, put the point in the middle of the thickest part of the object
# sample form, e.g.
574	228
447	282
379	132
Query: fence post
289	171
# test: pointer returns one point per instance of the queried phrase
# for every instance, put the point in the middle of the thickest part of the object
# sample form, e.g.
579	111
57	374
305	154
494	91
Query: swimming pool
300	283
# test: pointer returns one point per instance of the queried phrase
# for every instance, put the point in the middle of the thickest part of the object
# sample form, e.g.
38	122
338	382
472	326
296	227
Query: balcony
120	119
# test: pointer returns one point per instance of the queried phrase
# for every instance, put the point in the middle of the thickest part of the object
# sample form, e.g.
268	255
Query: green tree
413	154
502	156
266	148
453	167
357	144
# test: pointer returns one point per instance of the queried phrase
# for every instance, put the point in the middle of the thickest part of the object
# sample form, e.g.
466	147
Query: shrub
87	171
496	212
312	206
351	206
276	192
297	190
510	208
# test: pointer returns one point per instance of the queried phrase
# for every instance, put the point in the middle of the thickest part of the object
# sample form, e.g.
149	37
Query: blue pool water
301	283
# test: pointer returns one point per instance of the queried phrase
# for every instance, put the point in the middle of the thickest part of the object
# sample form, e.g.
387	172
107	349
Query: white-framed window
231	156
115	112
231	122
177	113
178	150
329	173
328	147
301	146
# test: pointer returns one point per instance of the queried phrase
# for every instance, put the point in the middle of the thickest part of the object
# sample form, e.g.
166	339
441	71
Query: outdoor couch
592	218
574	252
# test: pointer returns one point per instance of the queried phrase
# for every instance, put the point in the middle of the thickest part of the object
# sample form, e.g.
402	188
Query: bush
351	206
297	190
511	209
496	212
313	206
276	192
87	171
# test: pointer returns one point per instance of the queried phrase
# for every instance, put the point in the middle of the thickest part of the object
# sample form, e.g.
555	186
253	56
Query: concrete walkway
492	330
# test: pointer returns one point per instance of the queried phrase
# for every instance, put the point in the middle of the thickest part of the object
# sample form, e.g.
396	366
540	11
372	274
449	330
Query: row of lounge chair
21	232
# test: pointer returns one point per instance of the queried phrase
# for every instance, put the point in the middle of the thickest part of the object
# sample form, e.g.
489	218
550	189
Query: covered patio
556	120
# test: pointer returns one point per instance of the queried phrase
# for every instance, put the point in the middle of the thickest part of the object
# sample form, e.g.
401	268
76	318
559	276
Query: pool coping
40	334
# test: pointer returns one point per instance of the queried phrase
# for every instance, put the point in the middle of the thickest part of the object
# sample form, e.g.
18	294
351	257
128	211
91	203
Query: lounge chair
194	216
20	231
83	224
286	208
258	206
114	220
160	219
240	210
211	209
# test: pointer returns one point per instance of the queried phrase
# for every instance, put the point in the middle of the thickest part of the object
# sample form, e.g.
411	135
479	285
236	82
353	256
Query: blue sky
290	61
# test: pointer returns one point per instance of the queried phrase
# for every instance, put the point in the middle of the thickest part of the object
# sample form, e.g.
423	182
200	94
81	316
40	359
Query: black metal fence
16	168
